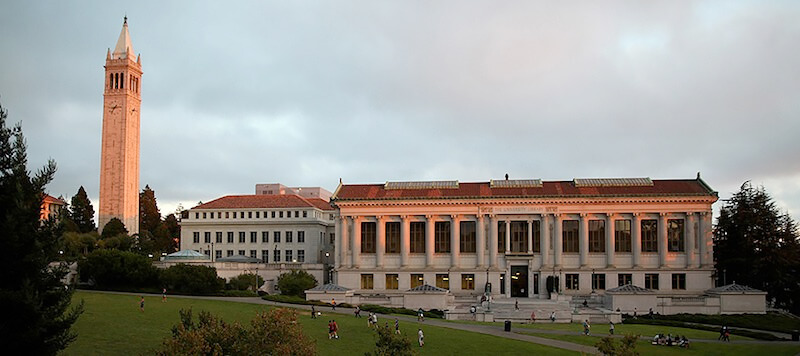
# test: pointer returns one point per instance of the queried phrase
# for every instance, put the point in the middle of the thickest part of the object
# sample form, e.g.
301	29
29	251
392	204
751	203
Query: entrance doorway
519	281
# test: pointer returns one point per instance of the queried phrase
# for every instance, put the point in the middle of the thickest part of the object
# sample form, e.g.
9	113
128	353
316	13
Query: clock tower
119	159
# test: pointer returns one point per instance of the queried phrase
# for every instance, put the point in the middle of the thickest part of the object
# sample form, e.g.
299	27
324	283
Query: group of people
668	340
333	329
724	334
372	320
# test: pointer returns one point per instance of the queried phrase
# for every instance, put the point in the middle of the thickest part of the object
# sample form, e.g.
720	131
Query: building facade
591	234
51	207
119	160
287	228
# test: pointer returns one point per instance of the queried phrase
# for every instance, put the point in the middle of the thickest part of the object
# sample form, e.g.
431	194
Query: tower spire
124	46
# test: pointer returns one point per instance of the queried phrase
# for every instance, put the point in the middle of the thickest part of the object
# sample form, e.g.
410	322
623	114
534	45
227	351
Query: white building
285	228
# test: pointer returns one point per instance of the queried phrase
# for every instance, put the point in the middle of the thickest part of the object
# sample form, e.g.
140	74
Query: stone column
405	240
662	240
344	239
508	237
356	262
544	240
558	239
480	249
704	238
339	246
429	231
690	246
583	244
610	243
530	238
380	243
493	241
636	237
455	234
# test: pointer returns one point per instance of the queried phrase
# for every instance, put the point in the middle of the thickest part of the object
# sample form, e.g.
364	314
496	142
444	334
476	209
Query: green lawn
639	329
113	325
645	348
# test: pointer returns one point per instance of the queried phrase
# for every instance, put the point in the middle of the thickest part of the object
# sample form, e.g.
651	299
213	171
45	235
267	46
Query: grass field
113	325
638	329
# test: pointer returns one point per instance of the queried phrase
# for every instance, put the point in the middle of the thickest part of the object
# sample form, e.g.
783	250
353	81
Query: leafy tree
120	242
391	344
757	245
149	214
77	244
36	317
296	283
245	281
192	279
626	347
275	332
114	227
81	212
115	269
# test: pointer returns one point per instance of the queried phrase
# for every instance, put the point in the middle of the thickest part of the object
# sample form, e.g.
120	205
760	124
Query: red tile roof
562	189
51	199
265	201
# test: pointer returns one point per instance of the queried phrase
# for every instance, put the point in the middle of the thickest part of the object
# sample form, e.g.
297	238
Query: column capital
455	217
704	213
342	217
636	215
663	214
689	213
479	216
380	218
405	217
429	216
611	215
583	215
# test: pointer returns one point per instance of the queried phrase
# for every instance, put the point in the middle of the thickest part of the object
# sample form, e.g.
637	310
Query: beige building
51	207
119	161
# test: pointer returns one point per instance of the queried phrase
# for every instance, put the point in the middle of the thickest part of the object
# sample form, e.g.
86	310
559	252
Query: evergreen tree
113	228
81	212
149	215
757	245
36	318
173	227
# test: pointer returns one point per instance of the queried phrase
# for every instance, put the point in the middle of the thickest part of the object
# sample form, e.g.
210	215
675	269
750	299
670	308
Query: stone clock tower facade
119	161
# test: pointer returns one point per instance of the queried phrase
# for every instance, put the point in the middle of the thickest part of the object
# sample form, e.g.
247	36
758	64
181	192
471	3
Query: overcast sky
303	93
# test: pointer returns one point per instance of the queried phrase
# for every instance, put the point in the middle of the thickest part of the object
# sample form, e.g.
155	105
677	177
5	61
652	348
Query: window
249	214
537	232
368	237
467	238
367	281
265	214
230	237
229	253
197	215
332	238
280	214
288	214
204	215
305	214
288	254
570	236
301	255
519	236
501	236
253	237
273	215
679	281
417	280
241	237
443	281
253	253
624	278
265	236
598	281
301	237
264	256
288	236
441	237
276	255
392	237
218	253
219	237
467	281
649	236
622	235
219	215
573	283
207	237
258	214
597	236
651	281
227	214
417	232
276	236
196	237
675	235
297	213
392	281
241	252
207	252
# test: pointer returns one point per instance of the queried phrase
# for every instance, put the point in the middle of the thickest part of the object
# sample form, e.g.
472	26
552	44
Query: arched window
116	80
122	80
110	81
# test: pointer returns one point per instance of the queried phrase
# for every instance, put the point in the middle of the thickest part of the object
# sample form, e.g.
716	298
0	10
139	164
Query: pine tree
757	245
149	215
81	212
36	317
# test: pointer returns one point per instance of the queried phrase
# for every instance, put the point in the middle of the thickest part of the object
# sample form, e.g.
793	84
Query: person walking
333	303
420	338
141	303
375	320
553	316
420	315
727	335
396	326
516	304
313	312
586	327
611	327
369	320
533	317
358	311
164	295
330	329
721	333
335	329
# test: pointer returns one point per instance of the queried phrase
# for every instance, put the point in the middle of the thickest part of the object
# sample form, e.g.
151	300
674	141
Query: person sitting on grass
684	342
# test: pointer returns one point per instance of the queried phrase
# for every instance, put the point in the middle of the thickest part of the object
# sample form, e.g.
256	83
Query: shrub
626	347
391	344
296	283
191	279
433	313
245	281
116	269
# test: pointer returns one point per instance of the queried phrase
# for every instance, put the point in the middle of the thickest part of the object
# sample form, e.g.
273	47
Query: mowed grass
697	348
113	325
637	329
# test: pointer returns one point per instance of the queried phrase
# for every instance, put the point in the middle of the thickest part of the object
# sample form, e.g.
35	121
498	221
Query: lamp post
329	271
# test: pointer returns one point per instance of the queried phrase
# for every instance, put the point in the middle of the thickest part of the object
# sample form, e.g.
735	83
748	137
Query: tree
115	269
81	212
36	317
77	244
192	279
626	347
757	245
391	344
173	227
245	281
114	227
296	283
149	215
275	332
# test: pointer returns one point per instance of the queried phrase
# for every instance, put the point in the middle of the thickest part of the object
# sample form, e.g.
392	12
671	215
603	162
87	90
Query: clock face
113	106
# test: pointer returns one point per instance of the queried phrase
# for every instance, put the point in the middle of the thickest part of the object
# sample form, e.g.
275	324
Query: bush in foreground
275	332
391	344
626	347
